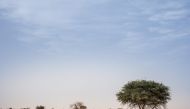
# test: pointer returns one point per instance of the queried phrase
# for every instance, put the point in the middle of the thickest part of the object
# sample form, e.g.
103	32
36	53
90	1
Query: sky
57	52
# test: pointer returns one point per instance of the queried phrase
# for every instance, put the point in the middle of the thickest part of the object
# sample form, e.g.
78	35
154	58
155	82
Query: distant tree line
141	94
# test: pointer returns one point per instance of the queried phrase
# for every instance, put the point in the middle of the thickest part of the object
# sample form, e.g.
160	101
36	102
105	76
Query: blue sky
57	52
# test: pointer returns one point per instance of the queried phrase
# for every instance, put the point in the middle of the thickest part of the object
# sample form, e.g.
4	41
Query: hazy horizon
57	52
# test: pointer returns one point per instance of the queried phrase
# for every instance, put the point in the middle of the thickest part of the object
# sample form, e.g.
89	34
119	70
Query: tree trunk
139	106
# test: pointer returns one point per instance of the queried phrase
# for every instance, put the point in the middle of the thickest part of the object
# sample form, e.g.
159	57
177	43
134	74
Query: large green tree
144	94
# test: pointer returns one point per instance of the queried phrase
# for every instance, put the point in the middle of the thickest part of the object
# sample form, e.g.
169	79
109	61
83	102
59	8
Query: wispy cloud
62	23
46	23
170	15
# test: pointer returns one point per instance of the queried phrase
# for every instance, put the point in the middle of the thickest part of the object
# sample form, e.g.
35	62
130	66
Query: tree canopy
144	94
78	105
40	107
